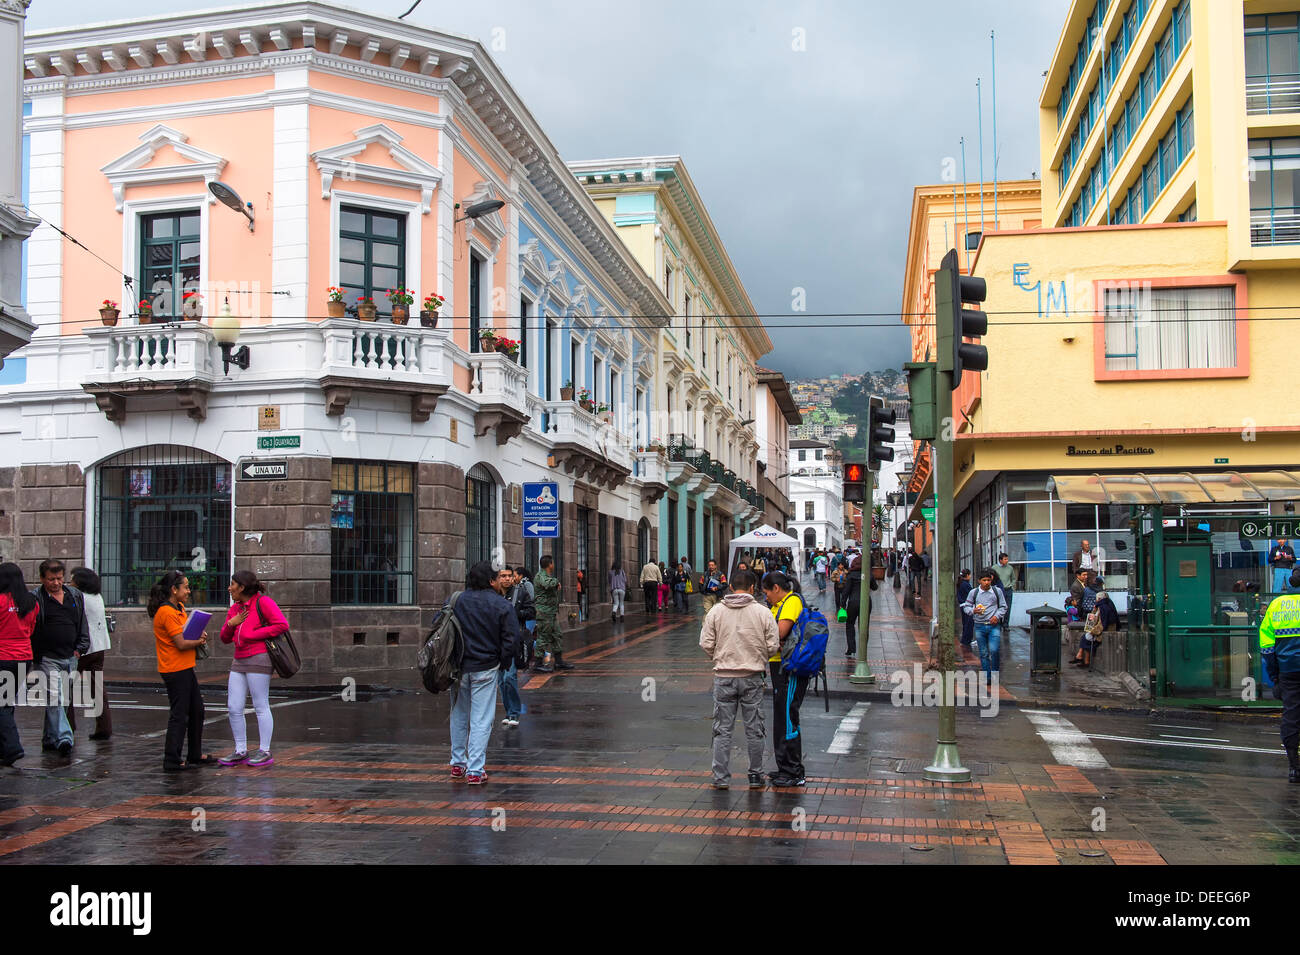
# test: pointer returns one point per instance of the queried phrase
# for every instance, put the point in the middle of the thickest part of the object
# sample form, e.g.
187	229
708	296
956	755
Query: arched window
480	515
159	508
809	538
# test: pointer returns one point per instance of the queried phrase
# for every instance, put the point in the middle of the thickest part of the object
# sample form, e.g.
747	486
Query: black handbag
285	659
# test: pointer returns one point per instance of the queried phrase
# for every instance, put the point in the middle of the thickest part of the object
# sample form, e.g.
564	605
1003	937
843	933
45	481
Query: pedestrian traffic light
854	472
954	322
880	433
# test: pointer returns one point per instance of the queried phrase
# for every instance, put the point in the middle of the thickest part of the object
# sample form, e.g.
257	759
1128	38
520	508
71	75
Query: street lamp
480	209
225	329
231	198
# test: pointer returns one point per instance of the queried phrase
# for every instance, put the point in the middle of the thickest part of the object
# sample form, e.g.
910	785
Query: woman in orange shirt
176	667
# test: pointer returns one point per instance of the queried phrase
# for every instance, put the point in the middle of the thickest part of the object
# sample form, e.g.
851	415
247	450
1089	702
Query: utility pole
952	324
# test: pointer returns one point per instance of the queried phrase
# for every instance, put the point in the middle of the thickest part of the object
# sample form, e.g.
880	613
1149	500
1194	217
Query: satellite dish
231	198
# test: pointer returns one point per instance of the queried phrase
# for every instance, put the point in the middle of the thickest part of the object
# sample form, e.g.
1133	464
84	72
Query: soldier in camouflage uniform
547	601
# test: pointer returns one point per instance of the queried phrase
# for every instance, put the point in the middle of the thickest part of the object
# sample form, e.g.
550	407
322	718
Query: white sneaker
513	721
506	721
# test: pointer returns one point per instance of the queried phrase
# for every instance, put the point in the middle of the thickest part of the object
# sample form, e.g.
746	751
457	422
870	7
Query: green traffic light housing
954	322
880	433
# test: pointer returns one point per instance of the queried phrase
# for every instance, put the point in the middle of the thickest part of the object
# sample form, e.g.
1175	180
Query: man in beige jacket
739	634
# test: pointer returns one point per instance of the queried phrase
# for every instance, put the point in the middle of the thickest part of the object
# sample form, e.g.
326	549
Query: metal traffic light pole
862	674
946	766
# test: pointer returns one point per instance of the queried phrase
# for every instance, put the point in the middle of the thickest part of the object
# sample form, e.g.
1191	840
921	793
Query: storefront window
372	533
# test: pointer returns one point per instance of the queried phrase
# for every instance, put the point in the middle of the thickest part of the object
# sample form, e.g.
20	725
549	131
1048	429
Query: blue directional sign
541	528
542	502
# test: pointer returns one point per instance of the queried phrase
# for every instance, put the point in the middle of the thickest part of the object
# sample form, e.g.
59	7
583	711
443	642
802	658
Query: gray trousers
745	692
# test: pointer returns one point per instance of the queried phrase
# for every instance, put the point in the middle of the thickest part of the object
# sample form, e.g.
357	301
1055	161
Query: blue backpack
807	641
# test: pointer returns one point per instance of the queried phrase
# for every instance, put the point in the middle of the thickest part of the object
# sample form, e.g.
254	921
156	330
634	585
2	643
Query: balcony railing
177	351
496	378
1273	94
387	352
1279	226
566	421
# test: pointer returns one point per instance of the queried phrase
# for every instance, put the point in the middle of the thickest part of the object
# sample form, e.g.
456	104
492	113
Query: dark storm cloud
805	159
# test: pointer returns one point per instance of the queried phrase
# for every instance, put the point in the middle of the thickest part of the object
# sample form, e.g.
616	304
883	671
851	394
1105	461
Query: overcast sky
806	159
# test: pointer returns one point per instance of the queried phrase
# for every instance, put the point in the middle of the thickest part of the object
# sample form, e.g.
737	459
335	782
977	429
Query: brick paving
598	772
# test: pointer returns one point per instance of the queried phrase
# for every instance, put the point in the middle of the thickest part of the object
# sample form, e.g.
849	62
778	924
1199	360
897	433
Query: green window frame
372	254
169	259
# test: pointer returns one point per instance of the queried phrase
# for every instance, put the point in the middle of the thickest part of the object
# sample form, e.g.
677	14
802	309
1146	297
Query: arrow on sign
535	528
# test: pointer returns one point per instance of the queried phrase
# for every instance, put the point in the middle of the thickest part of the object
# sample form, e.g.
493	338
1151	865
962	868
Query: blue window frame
1273	63
1275	191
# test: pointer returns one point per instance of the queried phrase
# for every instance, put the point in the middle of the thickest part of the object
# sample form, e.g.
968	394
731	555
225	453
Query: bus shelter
1200	581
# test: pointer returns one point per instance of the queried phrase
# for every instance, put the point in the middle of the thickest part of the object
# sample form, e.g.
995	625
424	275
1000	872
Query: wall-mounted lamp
225	329
479	209
231	198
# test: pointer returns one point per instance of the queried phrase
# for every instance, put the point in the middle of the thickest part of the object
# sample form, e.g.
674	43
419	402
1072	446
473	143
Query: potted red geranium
432	303
108	312
365	308
335	307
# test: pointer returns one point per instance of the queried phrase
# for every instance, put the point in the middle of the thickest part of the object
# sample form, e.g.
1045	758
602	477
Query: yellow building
1144	327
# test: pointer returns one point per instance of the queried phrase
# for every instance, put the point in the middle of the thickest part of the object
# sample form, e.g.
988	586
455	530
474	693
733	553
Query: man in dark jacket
61	635
964	587
518	589
489	631
853	604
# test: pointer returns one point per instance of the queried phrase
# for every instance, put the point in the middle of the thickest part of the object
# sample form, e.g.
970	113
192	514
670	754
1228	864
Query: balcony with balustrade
588	446
152	365
688	466
390	359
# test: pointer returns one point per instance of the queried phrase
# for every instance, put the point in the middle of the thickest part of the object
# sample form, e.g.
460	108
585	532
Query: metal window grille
372	533
602	542
480	516
160	508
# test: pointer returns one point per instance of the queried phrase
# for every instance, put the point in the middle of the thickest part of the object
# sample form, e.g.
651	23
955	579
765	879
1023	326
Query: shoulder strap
257	602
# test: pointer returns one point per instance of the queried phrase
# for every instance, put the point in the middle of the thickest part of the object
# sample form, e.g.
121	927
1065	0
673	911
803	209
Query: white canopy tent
766	536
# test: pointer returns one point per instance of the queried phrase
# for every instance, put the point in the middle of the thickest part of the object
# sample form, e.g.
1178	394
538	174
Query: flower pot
589	406
428	319
336	309
144	318
566	394
607	417
109	316
366	312
401	314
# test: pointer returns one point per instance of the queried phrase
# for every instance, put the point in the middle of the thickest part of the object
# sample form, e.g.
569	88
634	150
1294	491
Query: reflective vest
1279	632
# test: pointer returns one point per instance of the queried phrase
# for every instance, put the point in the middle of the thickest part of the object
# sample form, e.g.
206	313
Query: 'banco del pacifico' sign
1108	451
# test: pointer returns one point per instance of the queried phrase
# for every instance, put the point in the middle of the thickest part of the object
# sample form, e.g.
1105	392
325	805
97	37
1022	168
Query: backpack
439	657
807	652
1089	602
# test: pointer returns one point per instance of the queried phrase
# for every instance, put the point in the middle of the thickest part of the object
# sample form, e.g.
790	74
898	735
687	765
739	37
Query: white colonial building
817	495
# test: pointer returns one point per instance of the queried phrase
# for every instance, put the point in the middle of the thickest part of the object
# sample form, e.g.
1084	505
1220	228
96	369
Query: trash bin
1045	639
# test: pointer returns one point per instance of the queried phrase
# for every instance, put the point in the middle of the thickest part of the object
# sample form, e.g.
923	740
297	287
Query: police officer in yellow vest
1279	643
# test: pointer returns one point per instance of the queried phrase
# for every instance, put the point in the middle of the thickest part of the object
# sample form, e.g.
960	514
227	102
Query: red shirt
15	630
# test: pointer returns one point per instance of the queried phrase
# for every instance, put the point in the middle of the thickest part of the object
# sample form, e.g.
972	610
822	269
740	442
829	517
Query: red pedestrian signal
855	473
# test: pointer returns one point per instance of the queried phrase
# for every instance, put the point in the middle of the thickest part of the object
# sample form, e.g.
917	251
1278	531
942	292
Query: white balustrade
172	352
496	379
569	422
386	352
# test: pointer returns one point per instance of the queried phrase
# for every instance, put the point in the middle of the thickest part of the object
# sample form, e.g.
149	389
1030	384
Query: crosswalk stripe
848	728
1067	743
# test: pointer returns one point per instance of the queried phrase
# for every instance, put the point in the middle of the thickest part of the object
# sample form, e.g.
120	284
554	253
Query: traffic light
854	473
880	433
952	293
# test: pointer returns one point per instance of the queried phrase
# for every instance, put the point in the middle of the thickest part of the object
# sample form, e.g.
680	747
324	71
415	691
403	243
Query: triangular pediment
177	161
491	226
377	155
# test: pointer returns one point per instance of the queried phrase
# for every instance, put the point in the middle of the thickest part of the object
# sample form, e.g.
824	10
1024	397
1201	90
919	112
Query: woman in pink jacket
253	618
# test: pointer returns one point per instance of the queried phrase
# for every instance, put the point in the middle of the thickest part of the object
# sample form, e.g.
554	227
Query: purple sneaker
260	758
234	759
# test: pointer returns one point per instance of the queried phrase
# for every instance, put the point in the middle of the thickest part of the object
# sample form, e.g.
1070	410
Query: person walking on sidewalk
176	659
820	564
681	586
617	590
1282	559
17	620
524	597
253	618
489	632
964	587
782	593
509	585
712	584
62	634
87	581
985	604
1006	580
739	635
550	643
853	604
650	578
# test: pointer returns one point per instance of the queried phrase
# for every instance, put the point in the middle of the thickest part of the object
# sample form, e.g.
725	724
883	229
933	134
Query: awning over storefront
1227	487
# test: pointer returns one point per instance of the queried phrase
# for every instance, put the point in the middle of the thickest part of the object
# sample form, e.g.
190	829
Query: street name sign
264	470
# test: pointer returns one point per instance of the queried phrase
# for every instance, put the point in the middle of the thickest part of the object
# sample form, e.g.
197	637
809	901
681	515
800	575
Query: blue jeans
471	719
57	728
1281	579
508	684
989	637
821	582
